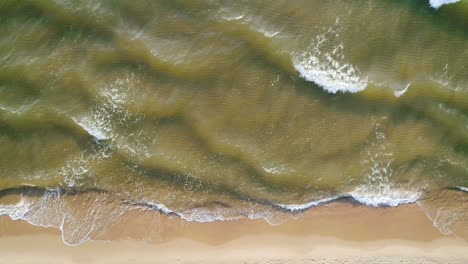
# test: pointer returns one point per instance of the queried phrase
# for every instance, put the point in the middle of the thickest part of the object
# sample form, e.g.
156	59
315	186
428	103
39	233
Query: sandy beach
337	233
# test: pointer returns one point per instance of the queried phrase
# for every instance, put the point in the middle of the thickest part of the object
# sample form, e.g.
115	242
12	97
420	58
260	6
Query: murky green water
214	110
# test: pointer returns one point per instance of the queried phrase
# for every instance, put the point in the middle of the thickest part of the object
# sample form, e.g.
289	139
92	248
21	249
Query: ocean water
211	110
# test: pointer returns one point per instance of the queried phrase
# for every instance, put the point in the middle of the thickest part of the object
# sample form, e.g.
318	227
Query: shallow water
220	110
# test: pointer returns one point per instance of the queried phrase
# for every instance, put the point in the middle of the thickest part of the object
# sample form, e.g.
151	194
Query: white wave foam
392	197
253	23
280	169
302	207
76	169
100	122
234	17
400	93
439	3
161	207
267	33
379	189
208	216
332	77
15	211
323	63
94	128
203	216
19	110
52	211
465	189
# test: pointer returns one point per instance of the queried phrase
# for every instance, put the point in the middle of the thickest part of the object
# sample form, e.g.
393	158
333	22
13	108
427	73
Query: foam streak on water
439	3
402	92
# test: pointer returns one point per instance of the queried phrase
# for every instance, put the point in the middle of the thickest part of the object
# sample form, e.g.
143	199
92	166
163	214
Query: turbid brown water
220	110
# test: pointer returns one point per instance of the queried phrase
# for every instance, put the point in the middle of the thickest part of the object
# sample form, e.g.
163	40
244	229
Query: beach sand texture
338	233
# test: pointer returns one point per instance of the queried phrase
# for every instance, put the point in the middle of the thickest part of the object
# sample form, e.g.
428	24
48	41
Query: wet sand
337	233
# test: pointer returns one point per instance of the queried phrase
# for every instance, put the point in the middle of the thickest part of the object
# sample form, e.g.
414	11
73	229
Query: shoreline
333	233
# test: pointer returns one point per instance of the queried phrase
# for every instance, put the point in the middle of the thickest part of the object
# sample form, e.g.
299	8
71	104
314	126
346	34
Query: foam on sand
15	211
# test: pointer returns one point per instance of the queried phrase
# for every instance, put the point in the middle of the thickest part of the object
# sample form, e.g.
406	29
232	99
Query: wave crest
323	63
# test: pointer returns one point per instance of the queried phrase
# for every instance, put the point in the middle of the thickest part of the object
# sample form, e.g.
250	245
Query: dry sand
338	233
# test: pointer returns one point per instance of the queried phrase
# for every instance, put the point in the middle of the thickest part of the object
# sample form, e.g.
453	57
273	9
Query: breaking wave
390	198
324	63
